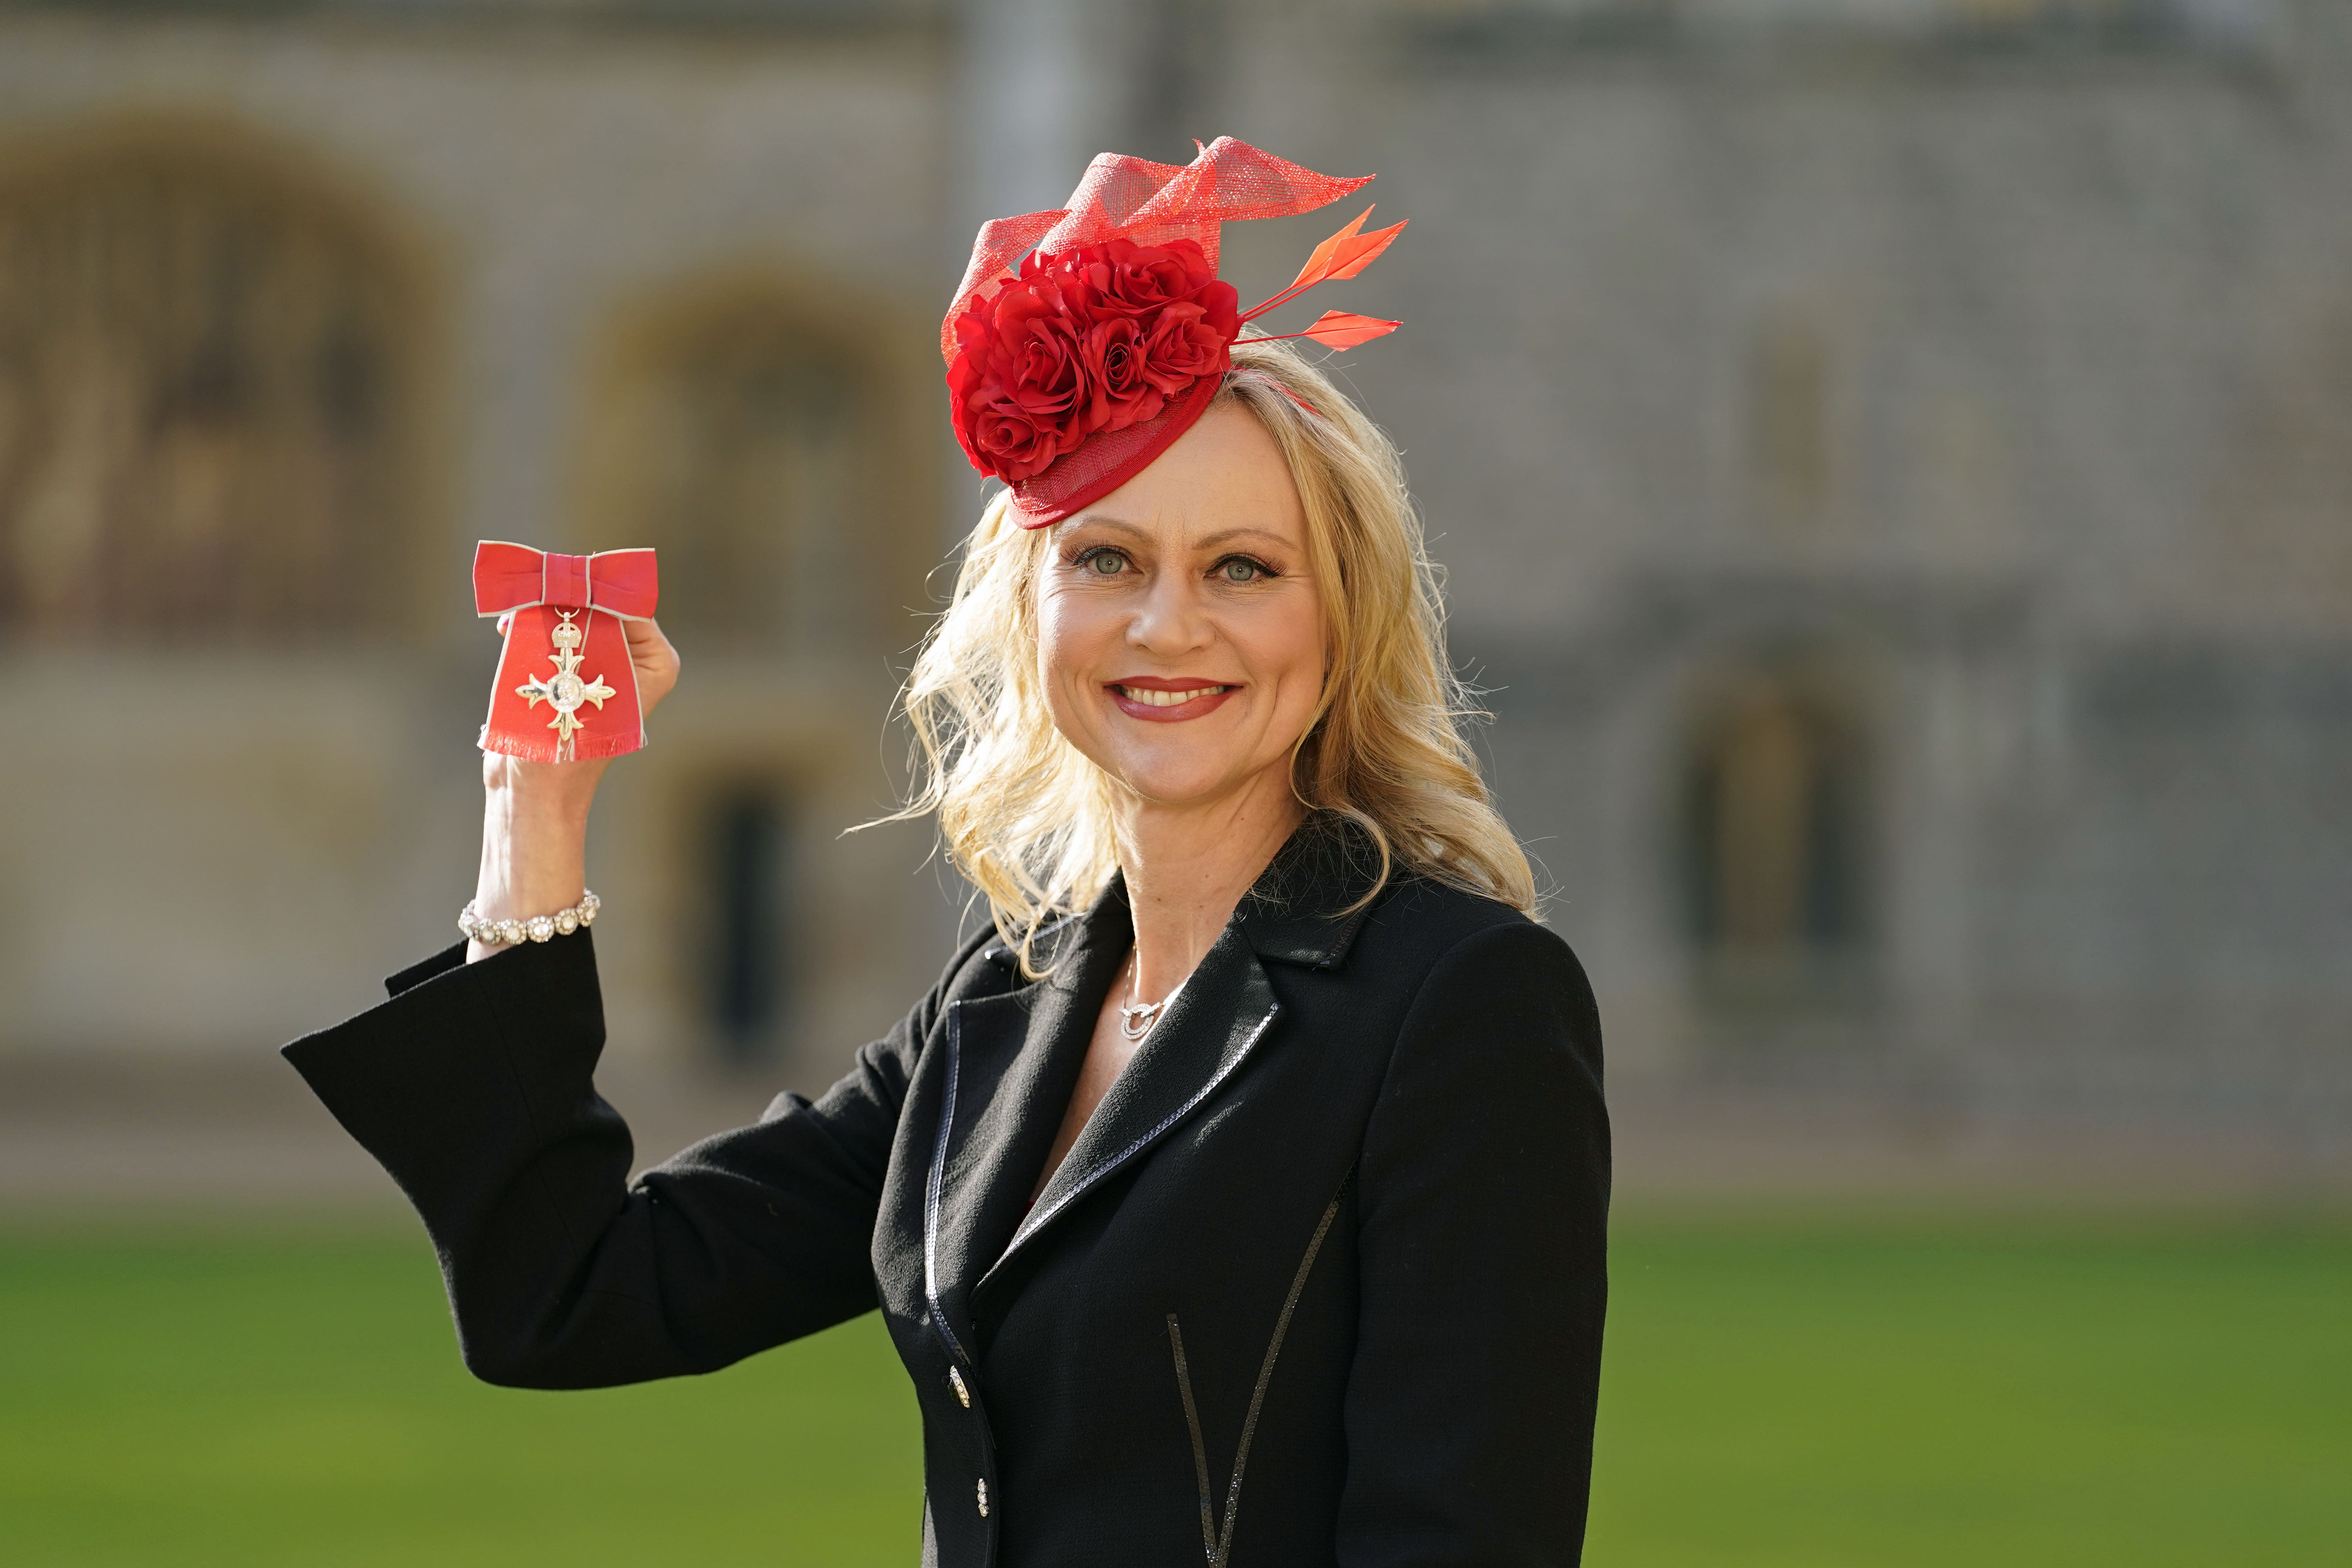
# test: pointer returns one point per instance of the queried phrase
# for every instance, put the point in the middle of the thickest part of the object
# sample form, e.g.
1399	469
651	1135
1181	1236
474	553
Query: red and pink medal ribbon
565	686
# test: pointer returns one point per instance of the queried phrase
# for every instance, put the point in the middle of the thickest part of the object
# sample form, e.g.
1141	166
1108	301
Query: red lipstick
1159	699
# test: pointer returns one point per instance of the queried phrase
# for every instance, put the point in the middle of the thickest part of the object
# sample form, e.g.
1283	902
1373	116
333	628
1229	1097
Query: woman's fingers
656	661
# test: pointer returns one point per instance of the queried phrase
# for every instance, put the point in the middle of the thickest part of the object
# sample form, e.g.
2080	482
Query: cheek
1070	634
1289	650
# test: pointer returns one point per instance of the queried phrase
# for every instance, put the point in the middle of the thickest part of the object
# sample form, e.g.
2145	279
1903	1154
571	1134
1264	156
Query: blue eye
1239	570
1103	563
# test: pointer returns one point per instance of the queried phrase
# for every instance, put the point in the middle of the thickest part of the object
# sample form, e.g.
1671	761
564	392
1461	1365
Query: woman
1260	1141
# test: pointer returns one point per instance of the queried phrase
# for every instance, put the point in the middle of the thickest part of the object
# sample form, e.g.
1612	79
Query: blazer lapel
1209	1030
1011	1064
1013	1061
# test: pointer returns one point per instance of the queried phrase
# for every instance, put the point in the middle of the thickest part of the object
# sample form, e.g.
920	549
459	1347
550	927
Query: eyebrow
1223	535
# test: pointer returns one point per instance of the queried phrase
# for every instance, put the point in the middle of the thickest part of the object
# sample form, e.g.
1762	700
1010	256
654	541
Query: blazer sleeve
1484	1198
473	1086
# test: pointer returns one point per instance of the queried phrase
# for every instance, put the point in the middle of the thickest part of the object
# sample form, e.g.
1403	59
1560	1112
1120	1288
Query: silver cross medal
565	690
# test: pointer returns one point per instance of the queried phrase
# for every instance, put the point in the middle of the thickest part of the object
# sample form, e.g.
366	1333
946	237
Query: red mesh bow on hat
1069	373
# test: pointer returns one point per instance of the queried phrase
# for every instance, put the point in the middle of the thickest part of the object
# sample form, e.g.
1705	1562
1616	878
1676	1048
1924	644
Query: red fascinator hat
1083	341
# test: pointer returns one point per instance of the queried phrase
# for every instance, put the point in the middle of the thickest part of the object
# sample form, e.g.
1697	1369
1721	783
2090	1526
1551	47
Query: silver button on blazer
1322	1280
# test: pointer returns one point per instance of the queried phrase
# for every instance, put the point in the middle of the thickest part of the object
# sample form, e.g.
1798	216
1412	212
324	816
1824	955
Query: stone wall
1895	477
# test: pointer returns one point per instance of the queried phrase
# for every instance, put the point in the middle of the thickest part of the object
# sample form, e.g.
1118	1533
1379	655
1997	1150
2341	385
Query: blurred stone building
1894	459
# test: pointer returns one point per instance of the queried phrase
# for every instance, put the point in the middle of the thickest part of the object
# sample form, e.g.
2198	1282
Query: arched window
203	422
1773	833
775	444
755	443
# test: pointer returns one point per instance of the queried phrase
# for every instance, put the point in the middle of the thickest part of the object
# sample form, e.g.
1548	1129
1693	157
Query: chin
1173	778
1175	787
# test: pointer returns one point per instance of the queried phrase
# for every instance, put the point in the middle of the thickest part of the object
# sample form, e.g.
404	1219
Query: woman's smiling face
1180	636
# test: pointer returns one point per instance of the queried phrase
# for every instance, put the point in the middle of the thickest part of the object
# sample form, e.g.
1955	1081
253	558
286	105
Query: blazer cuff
415	974
462	1058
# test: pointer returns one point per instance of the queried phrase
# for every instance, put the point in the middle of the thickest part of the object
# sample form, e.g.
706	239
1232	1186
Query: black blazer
1322	1281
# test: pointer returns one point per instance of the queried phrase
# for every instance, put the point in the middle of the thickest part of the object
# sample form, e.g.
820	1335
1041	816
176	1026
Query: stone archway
769	435
758	435
207	422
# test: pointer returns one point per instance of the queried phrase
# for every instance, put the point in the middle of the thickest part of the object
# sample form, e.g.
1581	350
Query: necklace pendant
1136	1018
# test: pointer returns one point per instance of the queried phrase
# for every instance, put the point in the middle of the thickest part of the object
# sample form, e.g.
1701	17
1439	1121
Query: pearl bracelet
539	928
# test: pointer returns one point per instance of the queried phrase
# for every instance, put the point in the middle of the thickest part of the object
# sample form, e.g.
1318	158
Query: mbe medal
564	611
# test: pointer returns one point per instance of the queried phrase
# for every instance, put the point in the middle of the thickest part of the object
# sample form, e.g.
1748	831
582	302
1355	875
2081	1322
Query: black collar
1312	900
1305	908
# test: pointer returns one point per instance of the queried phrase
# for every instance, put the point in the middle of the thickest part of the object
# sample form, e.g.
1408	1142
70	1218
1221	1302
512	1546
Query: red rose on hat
1001	441
1186	344
1185	316
1126	278
1094	340
1124	392
1021	393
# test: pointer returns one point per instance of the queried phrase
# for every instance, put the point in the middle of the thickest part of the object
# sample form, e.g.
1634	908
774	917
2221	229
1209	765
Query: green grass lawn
1818	1393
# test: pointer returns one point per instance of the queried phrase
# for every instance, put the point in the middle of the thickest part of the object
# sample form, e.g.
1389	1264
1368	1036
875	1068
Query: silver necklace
1136	1018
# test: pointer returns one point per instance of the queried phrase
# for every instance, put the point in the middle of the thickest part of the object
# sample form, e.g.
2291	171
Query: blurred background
1893	462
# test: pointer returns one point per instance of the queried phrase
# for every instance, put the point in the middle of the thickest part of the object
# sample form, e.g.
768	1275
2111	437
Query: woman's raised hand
656	662
535	814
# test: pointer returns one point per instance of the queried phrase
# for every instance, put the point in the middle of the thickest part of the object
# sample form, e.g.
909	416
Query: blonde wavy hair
1027	818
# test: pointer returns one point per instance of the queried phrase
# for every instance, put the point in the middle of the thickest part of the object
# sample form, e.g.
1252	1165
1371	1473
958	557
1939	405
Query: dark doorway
748	856
1773	837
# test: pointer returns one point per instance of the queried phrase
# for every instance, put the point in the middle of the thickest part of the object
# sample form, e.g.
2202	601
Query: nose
1172	619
